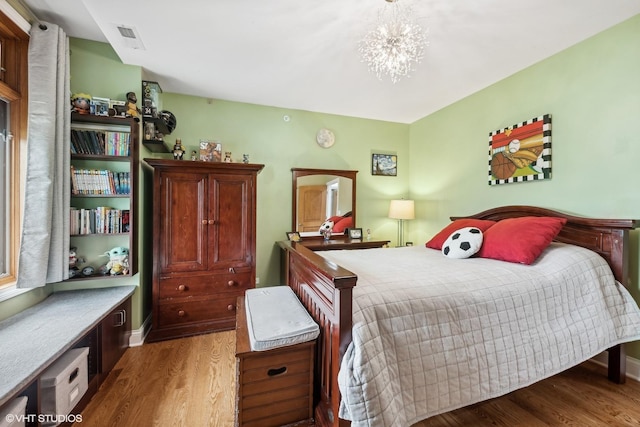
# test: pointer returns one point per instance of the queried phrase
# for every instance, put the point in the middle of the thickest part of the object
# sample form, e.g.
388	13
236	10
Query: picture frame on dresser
355	233
294	236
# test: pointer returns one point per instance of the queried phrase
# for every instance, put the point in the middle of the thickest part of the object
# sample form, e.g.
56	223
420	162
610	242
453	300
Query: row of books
97	142
100	220
99	182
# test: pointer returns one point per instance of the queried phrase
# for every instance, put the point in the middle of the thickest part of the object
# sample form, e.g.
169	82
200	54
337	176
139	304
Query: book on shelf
100	220
99	182
106	143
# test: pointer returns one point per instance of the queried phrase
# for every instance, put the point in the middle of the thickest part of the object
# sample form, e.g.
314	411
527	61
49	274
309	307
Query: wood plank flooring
191	382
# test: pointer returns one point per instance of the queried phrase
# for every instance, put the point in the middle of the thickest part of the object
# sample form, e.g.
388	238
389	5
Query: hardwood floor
191	382
182	382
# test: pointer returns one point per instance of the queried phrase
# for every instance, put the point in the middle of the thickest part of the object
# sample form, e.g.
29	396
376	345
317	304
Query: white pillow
462	243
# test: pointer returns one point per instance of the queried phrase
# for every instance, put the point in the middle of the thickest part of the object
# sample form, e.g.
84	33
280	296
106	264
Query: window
13	125
5	190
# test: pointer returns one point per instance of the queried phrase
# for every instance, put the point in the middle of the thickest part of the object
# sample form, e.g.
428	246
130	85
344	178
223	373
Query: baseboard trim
633	364
138	335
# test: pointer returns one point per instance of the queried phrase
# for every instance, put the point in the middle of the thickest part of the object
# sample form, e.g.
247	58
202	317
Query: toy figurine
227	157
194	155
245	158
74	262
118	261
178	150
81	103
132	108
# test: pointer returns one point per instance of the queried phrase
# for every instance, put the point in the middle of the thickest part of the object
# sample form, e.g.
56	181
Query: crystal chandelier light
395	45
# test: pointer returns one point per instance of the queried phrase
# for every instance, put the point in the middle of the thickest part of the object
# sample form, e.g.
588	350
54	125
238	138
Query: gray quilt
431	334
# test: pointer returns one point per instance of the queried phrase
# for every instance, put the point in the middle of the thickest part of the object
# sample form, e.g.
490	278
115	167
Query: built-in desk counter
33	339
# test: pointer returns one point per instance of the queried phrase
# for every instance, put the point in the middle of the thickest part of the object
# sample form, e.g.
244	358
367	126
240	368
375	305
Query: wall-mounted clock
325	138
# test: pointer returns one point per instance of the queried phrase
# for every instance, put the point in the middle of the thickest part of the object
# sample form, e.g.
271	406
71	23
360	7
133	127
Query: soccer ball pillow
463	243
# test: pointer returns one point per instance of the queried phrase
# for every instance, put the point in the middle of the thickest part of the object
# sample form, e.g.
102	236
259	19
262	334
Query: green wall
280	145
262	133
592	91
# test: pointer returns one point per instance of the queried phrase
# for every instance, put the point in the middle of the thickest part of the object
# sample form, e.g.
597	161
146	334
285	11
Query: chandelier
395	45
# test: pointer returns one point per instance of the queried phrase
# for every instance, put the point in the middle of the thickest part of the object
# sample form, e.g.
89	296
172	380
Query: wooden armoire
204	244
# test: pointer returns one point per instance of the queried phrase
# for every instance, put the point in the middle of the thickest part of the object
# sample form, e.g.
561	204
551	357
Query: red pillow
342	223
520	240
438	240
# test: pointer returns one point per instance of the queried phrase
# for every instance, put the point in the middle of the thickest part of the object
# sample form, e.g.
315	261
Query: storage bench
274	386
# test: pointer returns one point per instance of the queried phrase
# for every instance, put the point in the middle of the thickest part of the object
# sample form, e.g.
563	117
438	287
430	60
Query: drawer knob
232	283
204	222
181	313
182	288
230	307
211	222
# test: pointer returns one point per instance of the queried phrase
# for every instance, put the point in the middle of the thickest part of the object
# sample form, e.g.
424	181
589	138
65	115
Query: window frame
14	90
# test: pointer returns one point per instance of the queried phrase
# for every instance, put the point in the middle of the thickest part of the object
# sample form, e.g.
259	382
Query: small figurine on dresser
227	157
326	228
245	158
194	155
178	150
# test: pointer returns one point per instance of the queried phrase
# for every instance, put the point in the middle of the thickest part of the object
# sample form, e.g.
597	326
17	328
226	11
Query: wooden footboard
325	289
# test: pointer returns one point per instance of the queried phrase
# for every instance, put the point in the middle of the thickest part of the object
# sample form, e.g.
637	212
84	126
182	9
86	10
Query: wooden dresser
341	242
204	244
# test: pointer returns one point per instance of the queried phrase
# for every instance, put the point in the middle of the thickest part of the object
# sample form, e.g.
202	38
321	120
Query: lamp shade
402	209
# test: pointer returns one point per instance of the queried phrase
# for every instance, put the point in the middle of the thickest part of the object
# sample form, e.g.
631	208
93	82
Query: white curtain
44	249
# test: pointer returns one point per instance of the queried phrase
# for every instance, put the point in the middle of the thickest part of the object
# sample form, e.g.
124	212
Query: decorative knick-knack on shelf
178	150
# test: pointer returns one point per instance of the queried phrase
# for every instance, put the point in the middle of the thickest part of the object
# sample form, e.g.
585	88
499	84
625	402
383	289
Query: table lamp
401	210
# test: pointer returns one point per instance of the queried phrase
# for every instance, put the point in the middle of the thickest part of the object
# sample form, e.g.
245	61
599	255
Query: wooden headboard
607	237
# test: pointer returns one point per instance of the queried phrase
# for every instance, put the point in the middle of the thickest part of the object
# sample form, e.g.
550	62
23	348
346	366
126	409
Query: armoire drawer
201	310
193	286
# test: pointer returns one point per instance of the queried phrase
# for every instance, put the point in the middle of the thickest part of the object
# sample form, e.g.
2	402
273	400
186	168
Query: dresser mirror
319	194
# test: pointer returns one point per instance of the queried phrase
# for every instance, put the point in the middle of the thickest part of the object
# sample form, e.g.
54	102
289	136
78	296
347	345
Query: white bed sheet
432	334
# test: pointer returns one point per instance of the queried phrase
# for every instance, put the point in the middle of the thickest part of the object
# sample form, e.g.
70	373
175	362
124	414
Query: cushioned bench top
276	318
34	338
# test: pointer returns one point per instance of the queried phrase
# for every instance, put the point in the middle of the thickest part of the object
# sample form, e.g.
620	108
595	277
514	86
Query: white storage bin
13	415
65	382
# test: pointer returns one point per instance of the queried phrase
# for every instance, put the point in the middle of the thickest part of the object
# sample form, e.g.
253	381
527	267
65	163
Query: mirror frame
300	172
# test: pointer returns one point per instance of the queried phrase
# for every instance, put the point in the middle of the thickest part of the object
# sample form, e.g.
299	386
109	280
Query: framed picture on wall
521	152
384	164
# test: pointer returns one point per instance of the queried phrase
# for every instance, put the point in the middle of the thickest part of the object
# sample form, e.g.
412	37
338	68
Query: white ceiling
303	54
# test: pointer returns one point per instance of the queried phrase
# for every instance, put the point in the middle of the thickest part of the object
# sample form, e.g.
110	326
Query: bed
327	289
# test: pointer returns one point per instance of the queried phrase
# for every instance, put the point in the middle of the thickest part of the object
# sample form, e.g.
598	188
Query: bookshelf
104	194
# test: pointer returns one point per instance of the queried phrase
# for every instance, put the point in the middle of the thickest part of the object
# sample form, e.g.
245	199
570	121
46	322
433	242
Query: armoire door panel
185	226
230	238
